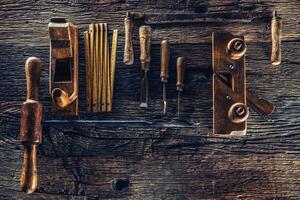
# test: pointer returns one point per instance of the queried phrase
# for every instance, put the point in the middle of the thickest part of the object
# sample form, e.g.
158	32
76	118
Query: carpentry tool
128	47
145	58
113	60
164	69
230	96
31	128
229	101
100	66
180	65
63	78
276	27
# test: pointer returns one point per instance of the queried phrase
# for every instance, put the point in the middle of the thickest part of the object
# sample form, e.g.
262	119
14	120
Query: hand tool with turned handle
128	58
145	58
276	27
31	128
180	65
164	69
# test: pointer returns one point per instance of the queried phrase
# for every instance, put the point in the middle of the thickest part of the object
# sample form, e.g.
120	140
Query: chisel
180	64
164	69
276	27
128	47
145	57
31	127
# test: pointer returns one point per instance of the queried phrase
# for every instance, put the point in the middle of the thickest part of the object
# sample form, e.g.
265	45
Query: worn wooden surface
156	156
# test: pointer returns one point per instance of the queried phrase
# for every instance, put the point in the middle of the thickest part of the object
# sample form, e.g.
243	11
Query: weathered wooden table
141	154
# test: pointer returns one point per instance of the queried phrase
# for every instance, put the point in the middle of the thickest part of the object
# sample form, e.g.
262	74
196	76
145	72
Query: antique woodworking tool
31	128
100	67
128	58
230	96
180	65
63	78
145	58
164	69
276	27
229	84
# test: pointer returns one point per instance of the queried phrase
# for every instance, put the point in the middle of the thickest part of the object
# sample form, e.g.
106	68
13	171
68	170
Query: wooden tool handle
29	177
33	68
128	48
31	128
276	28
164	60
180	64
145	45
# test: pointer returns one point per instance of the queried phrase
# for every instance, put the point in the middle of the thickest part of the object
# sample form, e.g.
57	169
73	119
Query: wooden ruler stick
93	67
88	70
100	72
96	75
108	75
104	81
113	65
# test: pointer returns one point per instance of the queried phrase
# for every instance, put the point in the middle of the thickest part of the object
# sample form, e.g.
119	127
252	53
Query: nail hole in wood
120	185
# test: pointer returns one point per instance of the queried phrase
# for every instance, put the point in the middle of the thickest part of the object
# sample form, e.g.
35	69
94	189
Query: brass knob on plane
61	98
236	48
238	113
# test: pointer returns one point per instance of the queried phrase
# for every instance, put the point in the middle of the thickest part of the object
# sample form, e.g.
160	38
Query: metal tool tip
144	105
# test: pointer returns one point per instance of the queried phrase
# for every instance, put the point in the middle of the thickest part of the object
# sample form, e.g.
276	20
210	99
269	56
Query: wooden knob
128	47
164	60
276	28
33	68
145	45
180	64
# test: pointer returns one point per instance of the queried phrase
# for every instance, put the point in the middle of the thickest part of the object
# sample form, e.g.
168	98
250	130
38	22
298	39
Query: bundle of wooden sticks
100	67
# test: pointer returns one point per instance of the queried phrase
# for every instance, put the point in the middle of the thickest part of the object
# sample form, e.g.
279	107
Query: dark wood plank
162	157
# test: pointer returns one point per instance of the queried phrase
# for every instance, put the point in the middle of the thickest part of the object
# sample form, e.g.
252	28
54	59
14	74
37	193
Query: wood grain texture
160	157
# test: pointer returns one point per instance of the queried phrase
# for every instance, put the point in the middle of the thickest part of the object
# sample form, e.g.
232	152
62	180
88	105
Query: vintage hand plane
230	96
63	78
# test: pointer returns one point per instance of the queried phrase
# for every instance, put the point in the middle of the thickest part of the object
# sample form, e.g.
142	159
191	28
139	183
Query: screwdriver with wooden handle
180	64
31	128
145	58
164	69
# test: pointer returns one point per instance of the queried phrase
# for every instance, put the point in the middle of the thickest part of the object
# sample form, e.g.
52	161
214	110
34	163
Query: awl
180	64
164	69
145	57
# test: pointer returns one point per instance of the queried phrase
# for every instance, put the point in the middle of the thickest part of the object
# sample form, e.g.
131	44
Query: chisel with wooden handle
145	58
164	69
180	64
276	27
31	128
128	58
